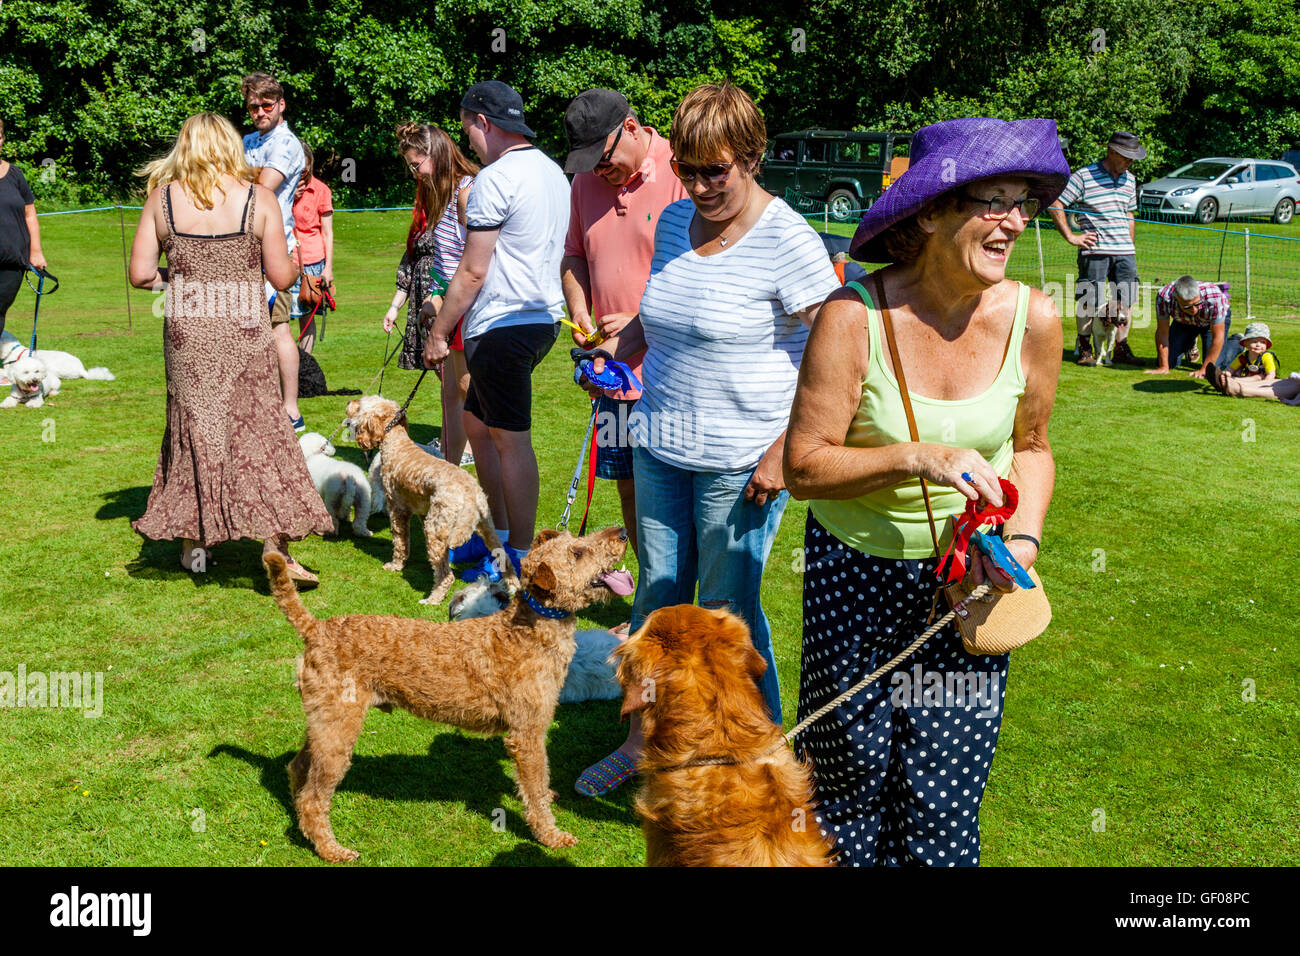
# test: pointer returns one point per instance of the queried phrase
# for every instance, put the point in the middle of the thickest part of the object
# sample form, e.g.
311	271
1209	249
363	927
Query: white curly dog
342	485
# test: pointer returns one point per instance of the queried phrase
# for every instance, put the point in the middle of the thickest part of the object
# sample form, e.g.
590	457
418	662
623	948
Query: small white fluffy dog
377	484
591	675
342	485
30	381
64	365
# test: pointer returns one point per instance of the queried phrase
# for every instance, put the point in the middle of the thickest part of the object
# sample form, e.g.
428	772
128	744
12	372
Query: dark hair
310	168
432	194
905	240
261	85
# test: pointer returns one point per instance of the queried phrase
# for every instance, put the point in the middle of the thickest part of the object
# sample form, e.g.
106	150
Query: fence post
121	219
1249	316
1042	269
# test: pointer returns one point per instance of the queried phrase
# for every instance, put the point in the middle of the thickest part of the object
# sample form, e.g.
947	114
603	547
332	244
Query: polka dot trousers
901	766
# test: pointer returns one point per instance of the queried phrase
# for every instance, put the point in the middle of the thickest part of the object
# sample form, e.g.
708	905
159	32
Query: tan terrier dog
448	498
498	674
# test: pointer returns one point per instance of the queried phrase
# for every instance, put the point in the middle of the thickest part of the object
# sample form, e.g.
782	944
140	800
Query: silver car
1223	186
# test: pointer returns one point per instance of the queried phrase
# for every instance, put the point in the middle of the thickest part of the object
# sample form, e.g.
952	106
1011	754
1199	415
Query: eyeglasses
256	108
714	173
999	207
415	167
606	156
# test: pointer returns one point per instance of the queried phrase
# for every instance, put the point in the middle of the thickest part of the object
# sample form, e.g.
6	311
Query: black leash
401	412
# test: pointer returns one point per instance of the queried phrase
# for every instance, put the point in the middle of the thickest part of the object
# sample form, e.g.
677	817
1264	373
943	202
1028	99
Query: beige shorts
280	309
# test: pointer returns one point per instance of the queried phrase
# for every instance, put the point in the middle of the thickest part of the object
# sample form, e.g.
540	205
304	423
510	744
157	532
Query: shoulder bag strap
907	402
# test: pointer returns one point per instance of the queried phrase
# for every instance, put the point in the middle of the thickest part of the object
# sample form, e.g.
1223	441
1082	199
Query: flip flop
609	774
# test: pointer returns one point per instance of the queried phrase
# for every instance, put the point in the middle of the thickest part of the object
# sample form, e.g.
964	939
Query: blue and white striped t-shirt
1104	204
723	344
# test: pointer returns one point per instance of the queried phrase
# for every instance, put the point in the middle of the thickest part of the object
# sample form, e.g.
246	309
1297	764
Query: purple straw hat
950	154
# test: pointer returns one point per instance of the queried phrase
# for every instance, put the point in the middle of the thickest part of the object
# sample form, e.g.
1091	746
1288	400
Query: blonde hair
207	148
715	119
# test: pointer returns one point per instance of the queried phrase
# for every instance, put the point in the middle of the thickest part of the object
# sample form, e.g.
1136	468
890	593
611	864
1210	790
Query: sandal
1217	378
606	775
300	575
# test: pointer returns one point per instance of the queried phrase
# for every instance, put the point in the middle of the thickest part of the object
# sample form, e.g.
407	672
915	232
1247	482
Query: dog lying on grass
30	382
64	365
590	675
499	674
448	498
721	787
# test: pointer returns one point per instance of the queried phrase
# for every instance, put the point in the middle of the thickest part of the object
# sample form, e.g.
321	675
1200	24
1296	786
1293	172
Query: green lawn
1164	557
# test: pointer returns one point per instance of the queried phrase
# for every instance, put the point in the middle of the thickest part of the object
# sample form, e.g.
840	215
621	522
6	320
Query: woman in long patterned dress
230	465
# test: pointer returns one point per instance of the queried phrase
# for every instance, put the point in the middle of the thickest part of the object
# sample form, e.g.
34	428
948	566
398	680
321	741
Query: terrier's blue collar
541	608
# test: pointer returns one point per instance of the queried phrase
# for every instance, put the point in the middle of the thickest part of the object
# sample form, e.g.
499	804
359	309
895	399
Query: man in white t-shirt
508	289
276	152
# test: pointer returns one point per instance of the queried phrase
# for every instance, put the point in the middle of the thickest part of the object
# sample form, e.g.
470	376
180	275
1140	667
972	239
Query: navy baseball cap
499	103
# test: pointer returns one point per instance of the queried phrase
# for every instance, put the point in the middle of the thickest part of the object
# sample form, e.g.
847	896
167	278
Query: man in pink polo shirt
622	183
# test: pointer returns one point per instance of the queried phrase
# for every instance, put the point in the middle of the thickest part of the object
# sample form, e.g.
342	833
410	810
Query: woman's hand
327	276
38	260
767	481
983	569
944	465
429	310
597	366
390	318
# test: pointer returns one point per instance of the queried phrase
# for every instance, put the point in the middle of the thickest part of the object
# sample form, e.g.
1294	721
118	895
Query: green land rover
845	170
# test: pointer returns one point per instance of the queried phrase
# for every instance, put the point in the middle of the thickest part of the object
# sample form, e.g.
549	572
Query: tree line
90	90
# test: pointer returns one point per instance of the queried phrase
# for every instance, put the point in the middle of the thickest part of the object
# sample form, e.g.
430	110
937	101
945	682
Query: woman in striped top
434	244
736	281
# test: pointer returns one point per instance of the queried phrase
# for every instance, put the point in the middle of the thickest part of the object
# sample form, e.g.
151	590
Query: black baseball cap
499	103
1127	145
588	121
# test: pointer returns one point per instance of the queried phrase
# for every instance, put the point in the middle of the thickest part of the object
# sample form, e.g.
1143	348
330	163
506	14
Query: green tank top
891	522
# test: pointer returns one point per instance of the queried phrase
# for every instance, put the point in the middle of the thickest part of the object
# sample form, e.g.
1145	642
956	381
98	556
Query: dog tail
100	374
286	595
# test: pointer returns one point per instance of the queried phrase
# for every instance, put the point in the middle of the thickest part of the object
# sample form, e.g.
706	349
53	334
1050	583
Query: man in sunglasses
1187	310
1105	194
622	182
275	151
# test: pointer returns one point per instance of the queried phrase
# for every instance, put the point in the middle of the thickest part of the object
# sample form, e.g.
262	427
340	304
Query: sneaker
298	424
1123	355
1194	354
466	459
1083	352
471	552
487	567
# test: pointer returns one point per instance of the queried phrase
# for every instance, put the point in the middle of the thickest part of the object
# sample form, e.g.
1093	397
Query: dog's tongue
620	582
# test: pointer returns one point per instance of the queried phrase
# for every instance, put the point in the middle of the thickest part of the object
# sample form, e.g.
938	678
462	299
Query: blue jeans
1183	336
697	526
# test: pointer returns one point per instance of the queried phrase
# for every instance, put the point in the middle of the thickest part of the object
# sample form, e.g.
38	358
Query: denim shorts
613	449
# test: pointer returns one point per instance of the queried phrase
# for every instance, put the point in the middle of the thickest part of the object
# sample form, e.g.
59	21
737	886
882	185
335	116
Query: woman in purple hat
901	767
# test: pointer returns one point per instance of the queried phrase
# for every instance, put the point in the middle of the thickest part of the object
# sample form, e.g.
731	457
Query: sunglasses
256	108
415	167
714	173
606	156
999	207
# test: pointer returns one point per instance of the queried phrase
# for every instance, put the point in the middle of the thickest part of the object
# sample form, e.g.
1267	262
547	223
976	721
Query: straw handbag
1000	622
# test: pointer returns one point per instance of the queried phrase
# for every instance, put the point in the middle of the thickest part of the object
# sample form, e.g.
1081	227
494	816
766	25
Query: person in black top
20	236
